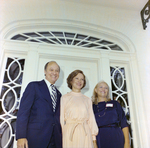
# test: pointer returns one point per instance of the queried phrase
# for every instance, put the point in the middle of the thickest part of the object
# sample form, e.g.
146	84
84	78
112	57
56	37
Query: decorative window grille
9	100
120	93
67	38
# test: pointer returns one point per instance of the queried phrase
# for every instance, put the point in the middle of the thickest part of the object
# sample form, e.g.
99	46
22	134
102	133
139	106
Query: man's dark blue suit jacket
35	119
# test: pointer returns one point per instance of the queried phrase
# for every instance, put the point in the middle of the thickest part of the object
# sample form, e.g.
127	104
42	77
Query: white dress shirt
48	85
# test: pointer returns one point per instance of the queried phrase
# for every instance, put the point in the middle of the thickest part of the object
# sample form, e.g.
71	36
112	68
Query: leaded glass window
67	38
9	100
120	93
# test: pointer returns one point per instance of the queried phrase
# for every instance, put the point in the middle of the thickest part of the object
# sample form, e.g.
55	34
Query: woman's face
102	90
77	82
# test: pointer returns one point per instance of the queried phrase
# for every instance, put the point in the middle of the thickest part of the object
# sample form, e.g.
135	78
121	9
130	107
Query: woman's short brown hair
72	75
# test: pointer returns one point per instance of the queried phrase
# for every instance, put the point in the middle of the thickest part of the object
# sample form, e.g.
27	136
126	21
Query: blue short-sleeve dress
110	119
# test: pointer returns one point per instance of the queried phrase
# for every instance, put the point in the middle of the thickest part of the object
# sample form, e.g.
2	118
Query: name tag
109	105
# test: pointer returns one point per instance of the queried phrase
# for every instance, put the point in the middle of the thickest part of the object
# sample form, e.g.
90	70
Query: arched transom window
67	38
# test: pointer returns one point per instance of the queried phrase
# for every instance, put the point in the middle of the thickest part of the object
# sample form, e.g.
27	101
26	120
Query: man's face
52	72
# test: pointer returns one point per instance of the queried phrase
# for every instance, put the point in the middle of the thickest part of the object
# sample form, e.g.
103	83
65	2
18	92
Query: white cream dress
79	127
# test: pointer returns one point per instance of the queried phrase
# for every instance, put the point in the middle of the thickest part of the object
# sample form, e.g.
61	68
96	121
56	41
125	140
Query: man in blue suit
38	118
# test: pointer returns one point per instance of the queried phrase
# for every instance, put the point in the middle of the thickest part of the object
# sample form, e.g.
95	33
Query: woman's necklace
104	111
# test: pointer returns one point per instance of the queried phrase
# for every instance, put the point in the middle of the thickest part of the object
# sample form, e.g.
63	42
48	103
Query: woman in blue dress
110	118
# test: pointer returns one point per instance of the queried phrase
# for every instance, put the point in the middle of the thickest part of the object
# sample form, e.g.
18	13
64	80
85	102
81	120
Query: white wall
125	22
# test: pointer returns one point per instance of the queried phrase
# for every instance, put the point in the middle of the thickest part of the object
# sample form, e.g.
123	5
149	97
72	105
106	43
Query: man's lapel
45	91
58	99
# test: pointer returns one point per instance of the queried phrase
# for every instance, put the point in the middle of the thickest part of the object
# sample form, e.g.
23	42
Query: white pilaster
137	110
1	52
31	63
104	68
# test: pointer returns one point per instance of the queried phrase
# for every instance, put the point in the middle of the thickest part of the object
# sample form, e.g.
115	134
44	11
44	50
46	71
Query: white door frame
103	59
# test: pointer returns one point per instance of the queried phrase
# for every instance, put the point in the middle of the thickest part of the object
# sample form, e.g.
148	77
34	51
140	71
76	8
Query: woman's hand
126	137
127	145
95	144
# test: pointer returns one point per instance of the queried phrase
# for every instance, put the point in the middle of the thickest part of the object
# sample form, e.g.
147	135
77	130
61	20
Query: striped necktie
54	97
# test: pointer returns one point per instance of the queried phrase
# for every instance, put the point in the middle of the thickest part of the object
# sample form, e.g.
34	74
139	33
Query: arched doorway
101	55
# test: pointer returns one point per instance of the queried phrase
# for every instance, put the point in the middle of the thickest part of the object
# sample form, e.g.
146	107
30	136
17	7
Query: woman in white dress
79	128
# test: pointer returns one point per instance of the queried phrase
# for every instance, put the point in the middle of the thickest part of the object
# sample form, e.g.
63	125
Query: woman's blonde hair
95	95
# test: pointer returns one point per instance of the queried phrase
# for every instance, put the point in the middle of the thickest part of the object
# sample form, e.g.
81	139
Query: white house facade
104	39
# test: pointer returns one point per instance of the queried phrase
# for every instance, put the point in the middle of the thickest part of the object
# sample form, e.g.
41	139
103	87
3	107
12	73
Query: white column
1	52
31	65
1	59
15	143
138	112
104	68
